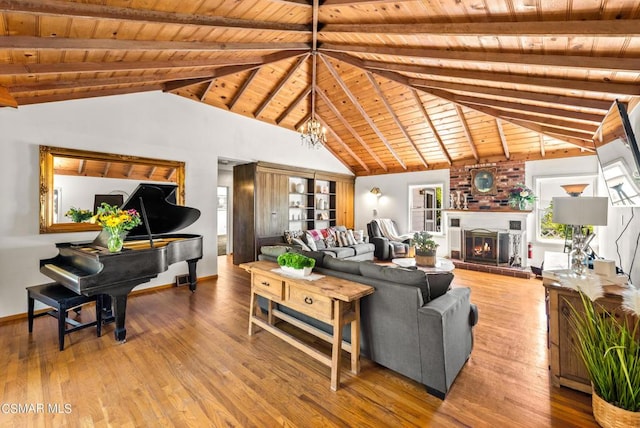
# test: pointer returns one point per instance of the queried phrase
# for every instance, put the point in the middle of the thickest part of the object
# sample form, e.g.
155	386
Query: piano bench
61	299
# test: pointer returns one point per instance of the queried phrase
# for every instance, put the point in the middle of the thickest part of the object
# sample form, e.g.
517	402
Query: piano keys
89	268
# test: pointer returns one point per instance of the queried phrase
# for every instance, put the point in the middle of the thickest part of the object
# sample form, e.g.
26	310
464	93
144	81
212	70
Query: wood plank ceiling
401	85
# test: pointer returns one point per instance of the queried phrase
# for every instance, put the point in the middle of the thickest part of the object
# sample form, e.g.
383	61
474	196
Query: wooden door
344	203
272	199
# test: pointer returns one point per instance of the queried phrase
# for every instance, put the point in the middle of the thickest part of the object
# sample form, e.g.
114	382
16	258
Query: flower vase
115	242
522	205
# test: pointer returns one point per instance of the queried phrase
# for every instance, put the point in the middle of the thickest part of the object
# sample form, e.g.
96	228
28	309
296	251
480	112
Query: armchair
389	244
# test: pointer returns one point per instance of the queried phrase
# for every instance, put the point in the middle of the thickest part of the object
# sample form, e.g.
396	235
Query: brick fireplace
495	238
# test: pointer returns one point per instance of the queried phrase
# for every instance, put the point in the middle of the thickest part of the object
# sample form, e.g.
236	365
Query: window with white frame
425	208
546	188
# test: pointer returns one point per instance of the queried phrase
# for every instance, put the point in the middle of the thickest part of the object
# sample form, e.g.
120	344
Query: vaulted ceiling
400	85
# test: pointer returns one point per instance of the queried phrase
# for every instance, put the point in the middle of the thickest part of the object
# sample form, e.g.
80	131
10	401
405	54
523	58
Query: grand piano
88	268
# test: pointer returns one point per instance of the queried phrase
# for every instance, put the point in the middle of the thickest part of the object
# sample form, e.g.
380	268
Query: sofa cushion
439	284
341	252
347	266
363	248
416	278
274	250
311	242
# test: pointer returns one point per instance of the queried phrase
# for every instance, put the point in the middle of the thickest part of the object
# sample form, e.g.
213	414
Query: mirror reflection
73	183
619	157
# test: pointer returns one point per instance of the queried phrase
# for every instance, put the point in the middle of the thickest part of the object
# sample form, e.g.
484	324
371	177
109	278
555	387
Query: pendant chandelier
312	133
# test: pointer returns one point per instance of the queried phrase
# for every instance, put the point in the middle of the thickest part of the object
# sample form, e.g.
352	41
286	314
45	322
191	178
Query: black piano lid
163	214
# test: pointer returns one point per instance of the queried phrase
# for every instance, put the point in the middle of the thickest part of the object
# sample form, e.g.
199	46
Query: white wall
150	124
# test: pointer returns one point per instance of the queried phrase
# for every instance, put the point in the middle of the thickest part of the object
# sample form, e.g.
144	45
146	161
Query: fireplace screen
486	246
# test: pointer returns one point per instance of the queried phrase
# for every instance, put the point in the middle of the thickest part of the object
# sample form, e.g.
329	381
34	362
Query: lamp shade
580	210
376	191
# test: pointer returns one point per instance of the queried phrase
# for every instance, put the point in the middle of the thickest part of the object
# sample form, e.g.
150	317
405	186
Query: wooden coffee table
442	265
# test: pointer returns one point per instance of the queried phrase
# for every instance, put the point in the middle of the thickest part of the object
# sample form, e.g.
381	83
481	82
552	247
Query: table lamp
579	211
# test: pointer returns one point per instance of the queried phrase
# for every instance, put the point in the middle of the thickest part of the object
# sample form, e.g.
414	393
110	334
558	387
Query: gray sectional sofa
413	323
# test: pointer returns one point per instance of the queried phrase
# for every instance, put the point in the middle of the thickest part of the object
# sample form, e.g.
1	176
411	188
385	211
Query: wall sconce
376	191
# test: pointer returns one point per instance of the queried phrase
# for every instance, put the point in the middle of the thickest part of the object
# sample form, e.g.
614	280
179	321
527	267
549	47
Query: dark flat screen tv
619	157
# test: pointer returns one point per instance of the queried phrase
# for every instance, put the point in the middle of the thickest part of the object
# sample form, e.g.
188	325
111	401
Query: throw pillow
301	243
350	238
439	284
311	243
320	244
290	234
342	239
358	235
330	242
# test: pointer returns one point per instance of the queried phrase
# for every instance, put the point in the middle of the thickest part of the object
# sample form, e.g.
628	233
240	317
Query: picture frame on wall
483	181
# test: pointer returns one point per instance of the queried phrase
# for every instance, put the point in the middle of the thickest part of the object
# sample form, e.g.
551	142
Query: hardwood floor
188	361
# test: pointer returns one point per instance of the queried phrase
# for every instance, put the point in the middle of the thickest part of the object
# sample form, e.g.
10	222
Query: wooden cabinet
269	199
565	365
345	203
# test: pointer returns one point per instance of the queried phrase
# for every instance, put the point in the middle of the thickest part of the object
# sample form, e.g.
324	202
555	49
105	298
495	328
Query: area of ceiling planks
400	85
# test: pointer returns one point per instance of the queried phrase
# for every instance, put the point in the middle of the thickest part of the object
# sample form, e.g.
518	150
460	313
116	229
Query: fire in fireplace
486	246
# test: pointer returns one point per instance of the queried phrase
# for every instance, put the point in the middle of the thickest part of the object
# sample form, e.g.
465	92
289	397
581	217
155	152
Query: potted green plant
296	264
425	248
610	350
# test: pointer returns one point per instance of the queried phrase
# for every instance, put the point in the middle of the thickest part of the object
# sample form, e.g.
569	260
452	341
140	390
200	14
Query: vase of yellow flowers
78	215
116	223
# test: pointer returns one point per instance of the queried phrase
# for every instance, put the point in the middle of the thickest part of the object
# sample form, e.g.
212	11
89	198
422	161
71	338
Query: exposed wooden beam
77	95
606	63
549	130
554	122
129	170
357	2
394	116
546	111
363	113
152	171
345	146
293	105
6	99
54	85
586	28
278	88
96	11
123	66
305	3
170	174
82	165
315	5
353	132
63	43
611	88
232	69
489	91
107	167
503	139
243	88
467	132
431	126
542	149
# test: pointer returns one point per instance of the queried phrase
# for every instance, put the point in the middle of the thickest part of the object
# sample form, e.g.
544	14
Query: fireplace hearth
486	246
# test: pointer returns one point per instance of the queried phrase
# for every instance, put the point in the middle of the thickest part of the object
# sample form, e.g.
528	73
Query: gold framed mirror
78	178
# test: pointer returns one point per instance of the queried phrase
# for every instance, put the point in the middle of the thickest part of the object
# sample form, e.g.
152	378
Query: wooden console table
565	365
332	300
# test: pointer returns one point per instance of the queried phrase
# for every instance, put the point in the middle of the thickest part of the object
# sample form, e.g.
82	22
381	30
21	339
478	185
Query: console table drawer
310	303
264	284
